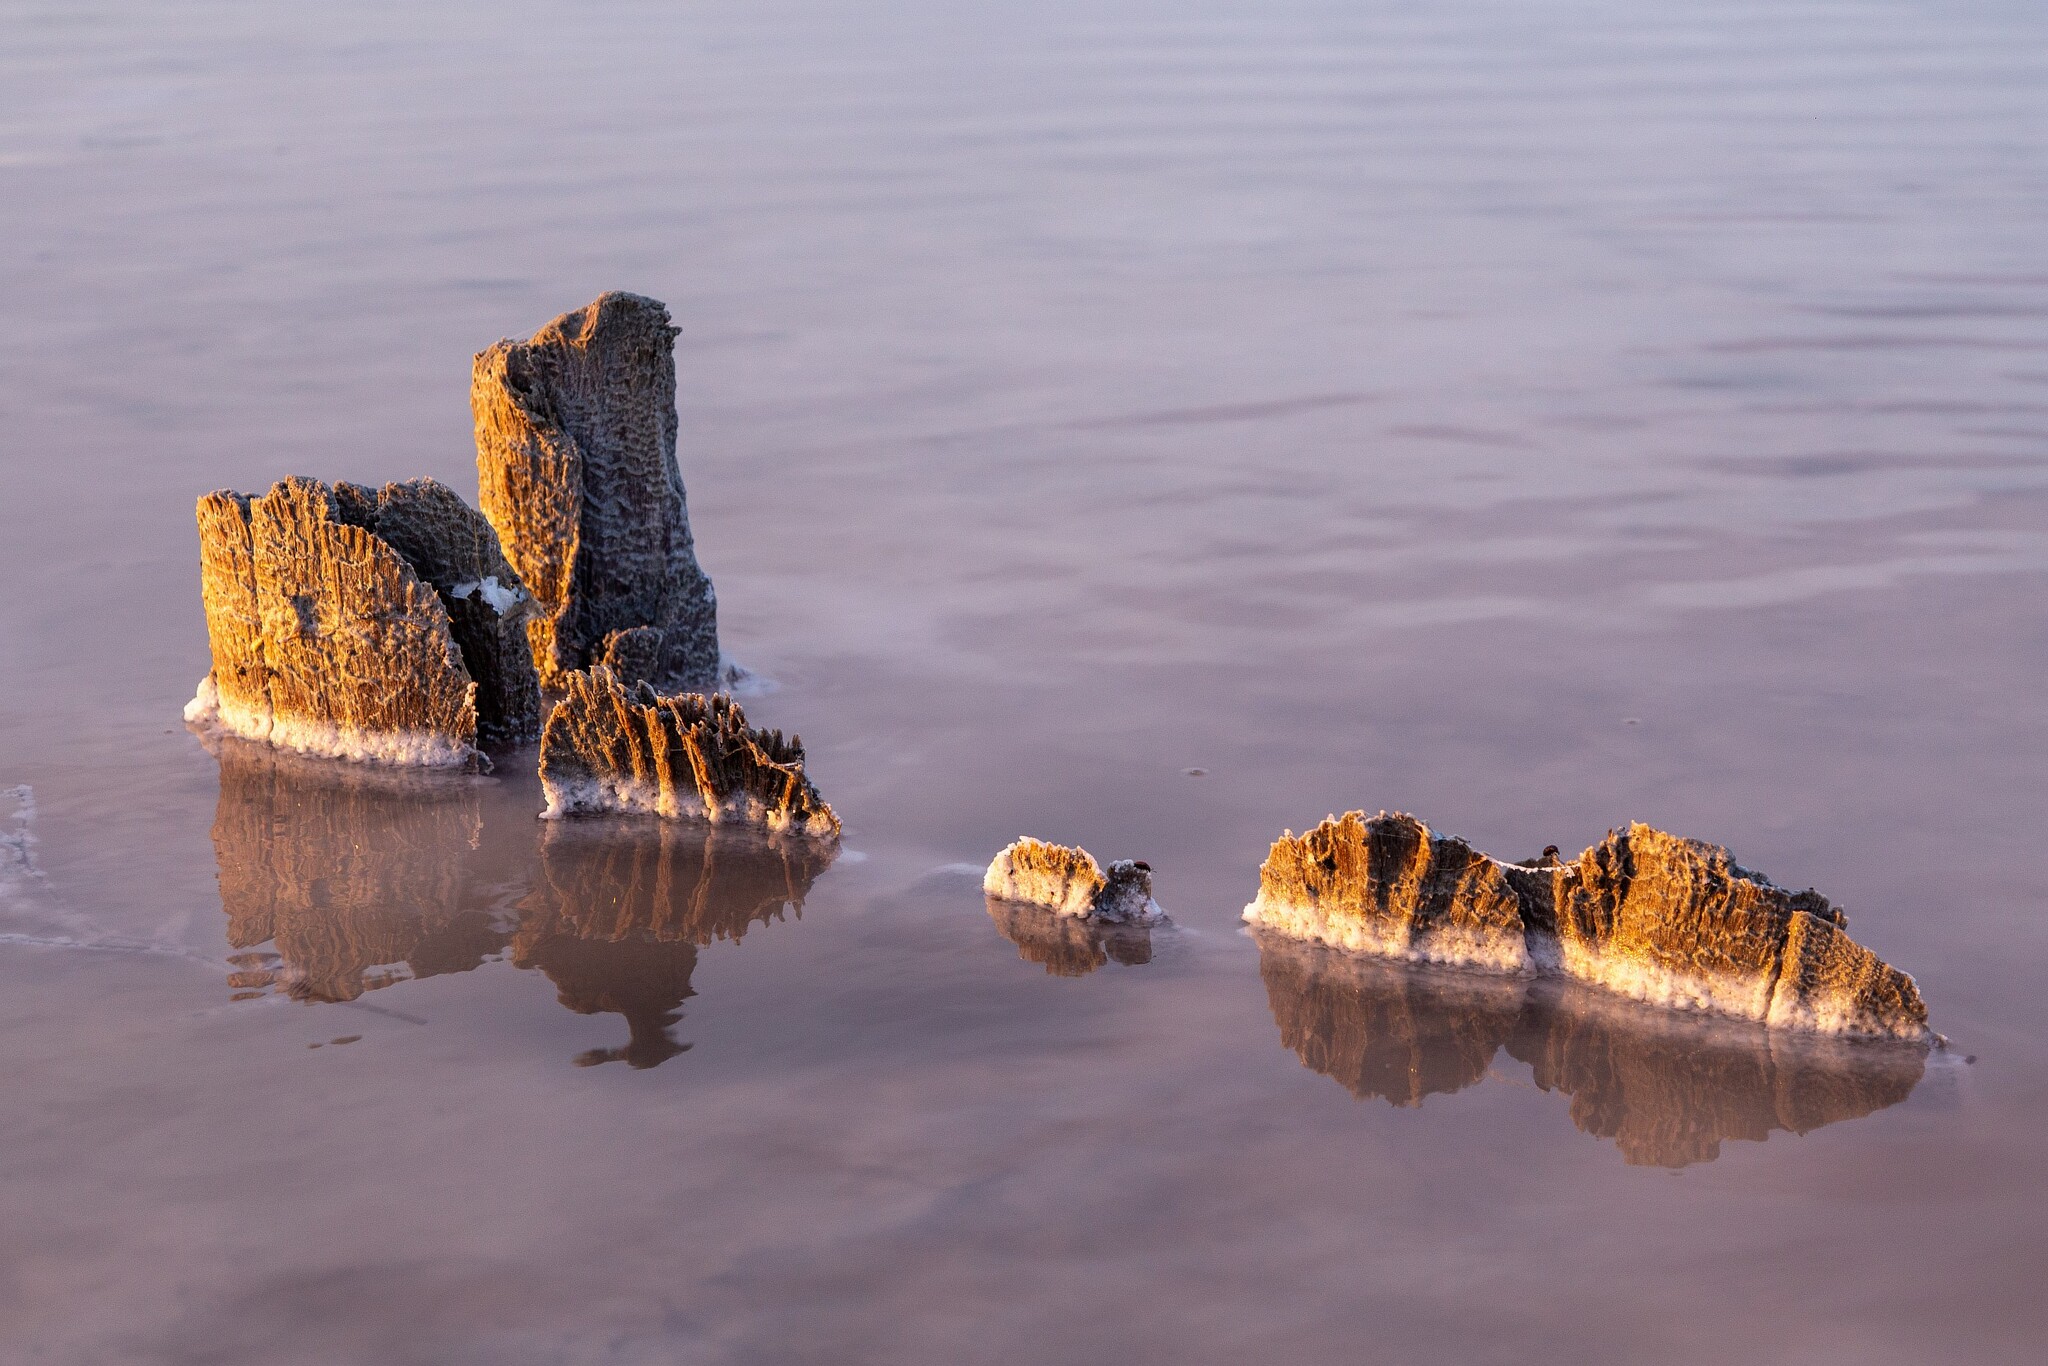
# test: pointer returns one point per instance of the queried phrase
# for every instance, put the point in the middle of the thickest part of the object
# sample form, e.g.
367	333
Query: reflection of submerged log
356	873
1068	946
1667	1089
1672	921
1380	1030
619	913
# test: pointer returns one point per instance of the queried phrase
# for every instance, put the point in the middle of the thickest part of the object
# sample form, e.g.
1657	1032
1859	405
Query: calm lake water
1534	416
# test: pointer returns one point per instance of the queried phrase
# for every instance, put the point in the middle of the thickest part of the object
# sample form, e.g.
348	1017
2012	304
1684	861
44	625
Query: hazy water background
1370	404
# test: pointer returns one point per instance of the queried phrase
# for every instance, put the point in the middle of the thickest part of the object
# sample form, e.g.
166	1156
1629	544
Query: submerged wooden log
1671	921
576	464
608	747
378	625
1069	882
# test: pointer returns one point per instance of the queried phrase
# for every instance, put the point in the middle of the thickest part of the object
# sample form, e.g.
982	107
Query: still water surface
1533	416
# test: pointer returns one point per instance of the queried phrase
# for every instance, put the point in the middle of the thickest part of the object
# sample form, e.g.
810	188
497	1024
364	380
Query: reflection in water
644	979
1667	1089
1067	945
621	907
358	877
670	880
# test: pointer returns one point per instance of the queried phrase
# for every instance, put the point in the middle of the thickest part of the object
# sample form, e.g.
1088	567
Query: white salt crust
1762	997
415	749
1061	893
1766	998
594	796
501	598
1507	953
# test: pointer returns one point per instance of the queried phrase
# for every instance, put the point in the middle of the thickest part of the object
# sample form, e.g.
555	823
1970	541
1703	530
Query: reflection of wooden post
619	913
359	875
338	879
685	883
646	980
576	463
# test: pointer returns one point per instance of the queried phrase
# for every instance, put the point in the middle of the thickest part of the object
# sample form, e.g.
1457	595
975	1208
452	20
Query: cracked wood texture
451	546
381	625
576	467
324	639
1672	921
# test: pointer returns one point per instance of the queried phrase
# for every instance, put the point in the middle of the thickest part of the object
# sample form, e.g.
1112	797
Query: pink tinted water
1531	416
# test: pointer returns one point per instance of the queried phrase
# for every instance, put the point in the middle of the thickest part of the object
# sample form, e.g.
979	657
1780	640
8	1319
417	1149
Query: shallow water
1530	416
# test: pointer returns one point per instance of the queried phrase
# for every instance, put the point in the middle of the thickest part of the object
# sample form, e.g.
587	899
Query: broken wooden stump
378	625
576	465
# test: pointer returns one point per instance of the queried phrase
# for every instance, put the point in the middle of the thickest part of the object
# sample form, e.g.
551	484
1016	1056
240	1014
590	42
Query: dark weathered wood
576	467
